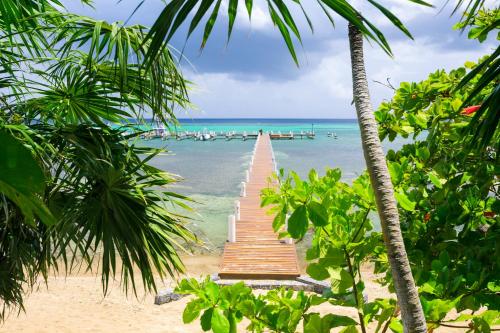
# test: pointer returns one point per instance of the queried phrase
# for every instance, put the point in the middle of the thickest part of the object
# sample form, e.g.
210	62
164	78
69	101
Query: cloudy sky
254	76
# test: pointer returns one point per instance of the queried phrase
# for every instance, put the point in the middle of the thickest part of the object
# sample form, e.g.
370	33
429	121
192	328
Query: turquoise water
213	170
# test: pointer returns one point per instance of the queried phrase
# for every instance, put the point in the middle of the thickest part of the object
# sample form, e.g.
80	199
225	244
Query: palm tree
176	12
73	189
409	303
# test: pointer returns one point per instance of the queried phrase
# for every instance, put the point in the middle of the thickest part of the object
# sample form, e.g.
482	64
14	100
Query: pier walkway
253	250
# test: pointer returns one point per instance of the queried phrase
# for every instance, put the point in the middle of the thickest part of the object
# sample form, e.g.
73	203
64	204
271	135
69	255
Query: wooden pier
253	250
159	133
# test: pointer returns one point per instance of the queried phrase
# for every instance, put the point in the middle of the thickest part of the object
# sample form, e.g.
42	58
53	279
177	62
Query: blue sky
254	76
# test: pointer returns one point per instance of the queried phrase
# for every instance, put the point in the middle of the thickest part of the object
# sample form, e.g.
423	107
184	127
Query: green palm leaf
22	180
177	11
111	204
72	189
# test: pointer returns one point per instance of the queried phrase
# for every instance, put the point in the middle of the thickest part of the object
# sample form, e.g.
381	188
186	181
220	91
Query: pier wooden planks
257	252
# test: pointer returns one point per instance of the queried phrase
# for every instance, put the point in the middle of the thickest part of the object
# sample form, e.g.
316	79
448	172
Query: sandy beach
76	304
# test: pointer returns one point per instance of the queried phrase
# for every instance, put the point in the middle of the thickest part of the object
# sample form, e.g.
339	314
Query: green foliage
424	106
444	264
73	190
486	121
452	230
223	307
22	180
481	23
318	324
343	239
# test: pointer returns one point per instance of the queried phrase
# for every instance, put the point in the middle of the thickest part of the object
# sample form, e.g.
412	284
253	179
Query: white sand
76	304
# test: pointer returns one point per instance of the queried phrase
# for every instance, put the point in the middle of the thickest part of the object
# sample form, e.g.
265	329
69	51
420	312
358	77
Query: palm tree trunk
409	303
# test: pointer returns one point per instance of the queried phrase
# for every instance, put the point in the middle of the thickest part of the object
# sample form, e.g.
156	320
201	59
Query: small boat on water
205	135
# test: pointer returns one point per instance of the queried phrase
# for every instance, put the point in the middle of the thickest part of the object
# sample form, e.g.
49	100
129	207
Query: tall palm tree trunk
409	303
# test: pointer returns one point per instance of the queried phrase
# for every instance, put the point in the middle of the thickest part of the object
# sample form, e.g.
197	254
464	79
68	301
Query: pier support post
237	210
231	229
243	192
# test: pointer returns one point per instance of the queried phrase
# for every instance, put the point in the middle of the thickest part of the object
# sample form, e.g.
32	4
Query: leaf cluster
481	21
343	238
448	196
75	190
279	310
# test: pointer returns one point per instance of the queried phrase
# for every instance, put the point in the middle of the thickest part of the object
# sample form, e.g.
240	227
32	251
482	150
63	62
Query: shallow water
213	170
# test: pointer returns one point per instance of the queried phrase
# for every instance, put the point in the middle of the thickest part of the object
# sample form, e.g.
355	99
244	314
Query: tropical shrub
343	239
73	187
448	193
225	306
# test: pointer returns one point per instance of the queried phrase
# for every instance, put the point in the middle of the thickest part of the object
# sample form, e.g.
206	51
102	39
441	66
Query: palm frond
72	189
472	7
176	13
110	205
123	49
113	205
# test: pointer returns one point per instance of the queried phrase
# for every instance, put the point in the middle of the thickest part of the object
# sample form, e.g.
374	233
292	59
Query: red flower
427	217
489	214
470	110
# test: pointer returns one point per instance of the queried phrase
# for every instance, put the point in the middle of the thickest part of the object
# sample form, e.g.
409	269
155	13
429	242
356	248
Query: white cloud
322	90
260	19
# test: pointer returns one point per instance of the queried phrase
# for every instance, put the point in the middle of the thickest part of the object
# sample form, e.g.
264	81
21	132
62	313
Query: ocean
213	170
